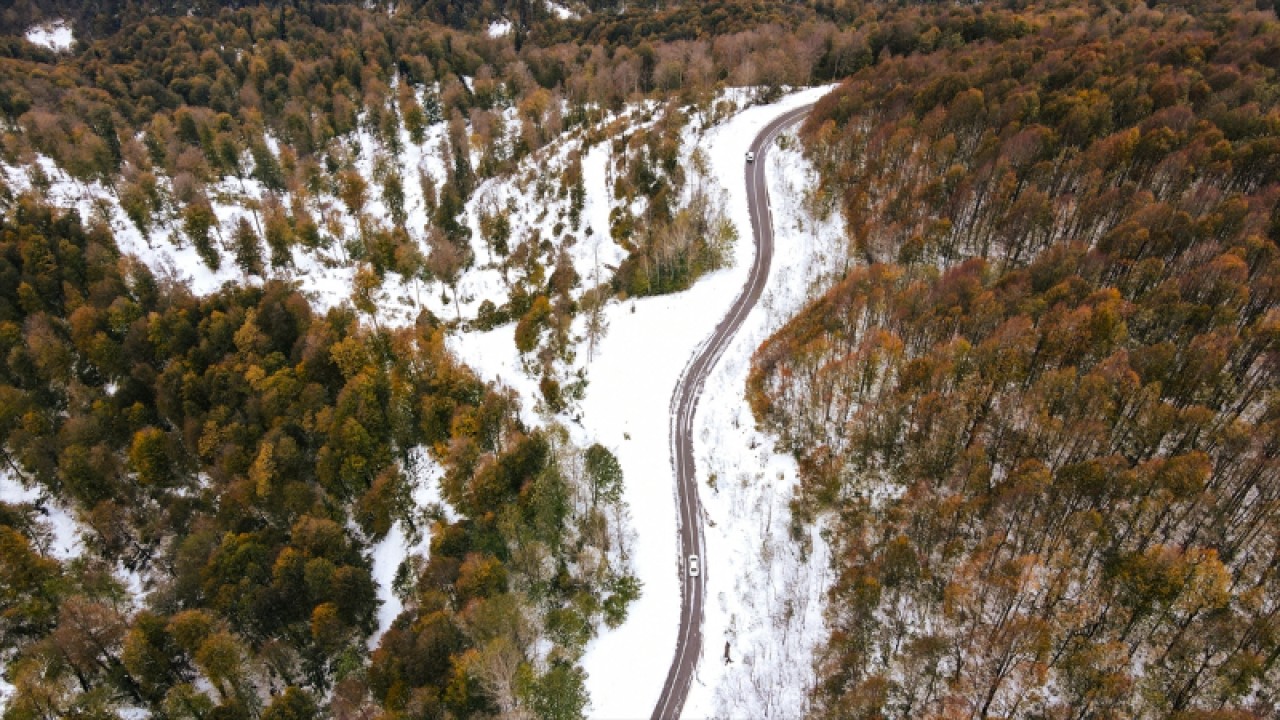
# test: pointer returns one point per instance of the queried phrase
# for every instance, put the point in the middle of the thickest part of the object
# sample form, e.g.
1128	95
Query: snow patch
387	557
499	28
402	543
598	251
55	35
561	11
64	543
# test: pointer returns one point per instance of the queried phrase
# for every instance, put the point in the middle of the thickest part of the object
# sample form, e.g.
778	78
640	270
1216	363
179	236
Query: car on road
693	566
751	157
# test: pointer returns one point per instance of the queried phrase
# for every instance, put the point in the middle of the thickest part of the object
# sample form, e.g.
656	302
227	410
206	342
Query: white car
751	157
693	566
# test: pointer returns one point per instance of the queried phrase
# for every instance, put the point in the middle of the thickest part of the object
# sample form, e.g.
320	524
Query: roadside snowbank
765	591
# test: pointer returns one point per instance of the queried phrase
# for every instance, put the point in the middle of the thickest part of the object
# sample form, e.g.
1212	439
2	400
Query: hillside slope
1039	406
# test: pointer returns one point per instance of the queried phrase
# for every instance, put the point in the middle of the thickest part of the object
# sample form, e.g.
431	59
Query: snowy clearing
55	35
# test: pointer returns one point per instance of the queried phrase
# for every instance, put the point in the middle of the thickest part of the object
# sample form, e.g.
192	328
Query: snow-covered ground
55	35
764	590
168	252
627	408
325	273
592	250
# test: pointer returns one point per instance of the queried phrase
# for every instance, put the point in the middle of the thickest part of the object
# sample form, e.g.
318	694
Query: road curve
684	403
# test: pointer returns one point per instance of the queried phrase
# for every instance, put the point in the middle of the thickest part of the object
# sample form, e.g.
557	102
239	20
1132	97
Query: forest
1038	411
1036	414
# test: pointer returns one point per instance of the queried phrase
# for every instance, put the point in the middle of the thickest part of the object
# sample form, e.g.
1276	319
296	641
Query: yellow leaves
323	420
1182	475
1122	145
888	343
318	536
212	437
122	313
376	509
967	107
1224	280
350	355
249	339
364	289
53	356
288	568
535	104
1166	576
327	628
481	576
220	657
1210	583
189	628
149	456
262	472
254	374
353	190
23	571
529	327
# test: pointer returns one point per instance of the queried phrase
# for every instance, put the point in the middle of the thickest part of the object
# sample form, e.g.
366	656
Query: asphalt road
685	404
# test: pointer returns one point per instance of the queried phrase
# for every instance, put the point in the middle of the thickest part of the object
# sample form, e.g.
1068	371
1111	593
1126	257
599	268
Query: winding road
685	404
